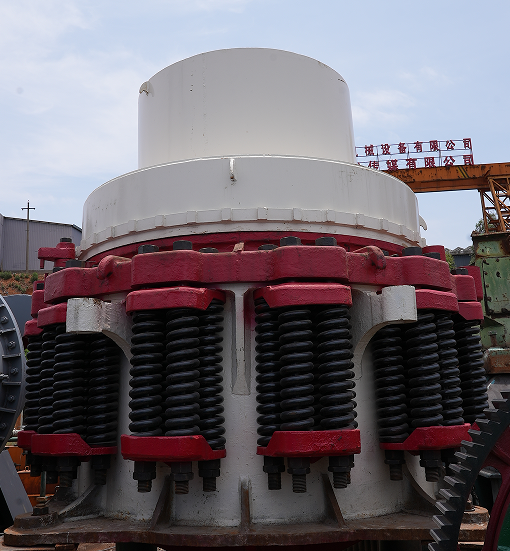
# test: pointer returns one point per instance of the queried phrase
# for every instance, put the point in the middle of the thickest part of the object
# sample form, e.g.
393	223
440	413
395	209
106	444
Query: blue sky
71	70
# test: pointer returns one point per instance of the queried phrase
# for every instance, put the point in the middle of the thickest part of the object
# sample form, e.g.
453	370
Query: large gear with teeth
464	472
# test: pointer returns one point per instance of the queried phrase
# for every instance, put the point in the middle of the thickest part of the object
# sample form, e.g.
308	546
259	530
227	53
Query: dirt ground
16	283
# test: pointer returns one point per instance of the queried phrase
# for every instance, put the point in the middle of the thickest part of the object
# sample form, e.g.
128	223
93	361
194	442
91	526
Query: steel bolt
182	245
75	264
4	319
326	241
437	256
299	483
10	398
290	240
14	371
3	426
411	251
142	249
182	487
11	345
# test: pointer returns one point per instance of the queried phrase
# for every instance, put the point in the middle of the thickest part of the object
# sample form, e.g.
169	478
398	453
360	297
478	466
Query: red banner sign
429	154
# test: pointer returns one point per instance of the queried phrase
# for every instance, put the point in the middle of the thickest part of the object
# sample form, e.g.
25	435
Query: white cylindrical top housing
244	101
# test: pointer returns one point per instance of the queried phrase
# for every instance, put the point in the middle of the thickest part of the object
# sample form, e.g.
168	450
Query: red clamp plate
172	297
323	443
427	299
25	439
67	445
31	330
291	294
168	449
52	314
431	438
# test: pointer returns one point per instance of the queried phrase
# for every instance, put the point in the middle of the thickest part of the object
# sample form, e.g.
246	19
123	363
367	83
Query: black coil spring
182	363
147	373
211	379
472	374
296	361
423	372
449	370
334	354
33	379
46	382
268	370
70	384
103	394
390	382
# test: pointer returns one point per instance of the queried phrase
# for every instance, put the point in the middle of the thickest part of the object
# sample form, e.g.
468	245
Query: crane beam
452	178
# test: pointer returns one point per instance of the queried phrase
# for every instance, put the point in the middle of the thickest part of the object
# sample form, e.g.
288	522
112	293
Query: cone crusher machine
252	345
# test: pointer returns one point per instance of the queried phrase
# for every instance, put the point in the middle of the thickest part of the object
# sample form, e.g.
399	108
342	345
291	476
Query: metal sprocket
458	486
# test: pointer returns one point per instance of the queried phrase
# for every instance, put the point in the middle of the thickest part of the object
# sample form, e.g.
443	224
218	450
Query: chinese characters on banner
416	154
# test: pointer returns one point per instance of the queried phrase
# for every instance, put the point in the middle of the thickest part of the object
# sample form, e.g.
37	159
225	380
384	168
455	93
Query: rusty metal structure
490	180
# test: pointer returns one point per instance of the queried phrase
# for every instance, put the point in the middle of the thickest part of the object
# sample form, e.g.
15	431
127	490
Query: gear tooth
443	523
479	437
460	469
445	507
475	446
444	533
466	457
485	425
454	482
450	494
492	414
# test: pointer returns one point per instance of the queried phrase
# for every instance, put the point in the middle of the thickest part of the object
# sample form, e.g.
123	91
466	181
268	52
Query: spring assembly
472	374
296	360
268	386
296	371
334	354
211	389
46	382
70	384
423	372
424	395
33	379
391	398
449	370
268	371
334	366
182	396
146	373
390	383
103	401
147	346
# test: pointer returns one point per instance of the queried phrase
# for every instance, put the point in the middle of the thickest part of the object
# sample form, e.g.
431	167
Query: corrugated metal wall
13	241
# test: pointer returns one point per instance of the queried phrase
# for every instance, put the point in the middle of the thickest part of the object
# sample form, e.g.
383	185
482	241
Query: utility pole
28	208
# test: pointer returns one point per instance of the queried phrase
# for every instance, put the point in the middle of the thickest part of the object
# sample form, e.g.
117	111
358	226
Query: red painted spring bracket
25	439
67	445
431	438
168	449
322	443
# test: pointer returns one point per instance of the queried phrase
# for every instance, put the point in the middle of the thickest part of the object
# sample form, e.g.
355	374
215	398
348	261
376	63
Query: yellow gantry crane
491	180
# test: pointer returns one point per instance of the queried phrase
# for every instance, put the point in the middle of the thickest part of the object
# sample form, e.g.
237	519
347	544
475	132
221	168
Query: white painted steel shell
371	492
266	194
246	101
